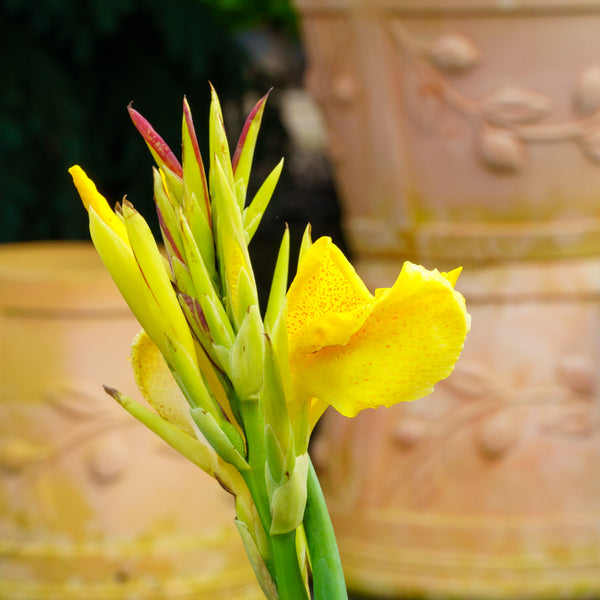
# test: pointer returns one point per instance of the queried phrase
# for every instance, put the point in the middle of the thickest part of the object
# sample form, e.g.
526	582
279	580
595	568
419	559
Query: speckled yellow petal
157	385
91	197
410	341
327	300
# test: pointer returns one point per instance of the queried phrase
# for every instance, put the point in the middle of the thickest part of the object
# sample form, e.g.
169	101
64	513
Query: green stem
283	563
328	576
290	583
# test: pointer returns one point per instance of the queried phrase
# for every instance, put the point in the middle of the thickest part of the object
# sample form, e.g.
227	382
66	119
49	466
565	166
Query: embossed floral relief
75	427
507	121
494	417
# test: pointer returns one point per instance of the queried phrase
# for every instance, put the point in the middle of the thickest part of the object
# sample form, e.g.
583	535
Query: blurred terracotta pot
468	132
92	505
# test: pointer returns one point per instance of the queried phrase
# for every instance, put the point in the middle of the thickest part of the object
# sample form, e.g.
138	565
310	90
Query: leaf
472	381
453	53
501	149
515	105
497	434
574	422
75	399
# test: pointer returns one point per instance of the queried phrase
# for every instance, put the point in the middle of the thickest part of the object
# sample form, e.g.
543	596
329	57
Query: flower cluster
238	390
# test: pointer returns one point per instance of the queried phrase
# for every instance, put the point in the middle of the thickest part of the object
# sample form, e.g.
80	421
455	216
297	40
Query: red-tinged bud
255	114
158	147
191	134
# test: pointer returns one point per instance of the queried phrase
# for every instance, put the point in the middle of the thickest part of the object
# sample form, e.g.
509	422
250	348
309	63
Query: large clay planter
467	132
92	505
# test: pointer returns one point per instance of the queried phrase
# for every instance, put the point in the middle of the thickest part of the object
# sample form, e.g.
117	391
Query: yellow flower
127	248
352	350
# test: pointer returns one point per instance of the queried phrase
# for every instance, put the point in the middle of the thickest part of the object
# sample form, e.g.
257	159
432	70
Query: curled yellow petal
92	198
327	301
158	386
402	342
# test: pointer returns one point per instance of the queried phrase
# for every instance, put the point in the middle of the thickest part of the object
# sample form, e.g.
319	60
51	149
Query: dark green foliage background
69	69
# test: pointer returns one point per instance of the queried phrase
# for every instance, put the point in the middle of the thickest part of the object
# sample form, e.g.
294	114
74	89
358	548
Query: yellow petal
118	258
92	198
327	301
156	279
409	341
157	385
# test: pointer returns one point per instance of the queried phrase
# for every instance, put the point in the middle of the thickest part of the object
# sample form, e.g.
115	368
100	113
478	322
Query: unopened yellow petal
156	278
118	258
410	341
157	385
327	301
92	198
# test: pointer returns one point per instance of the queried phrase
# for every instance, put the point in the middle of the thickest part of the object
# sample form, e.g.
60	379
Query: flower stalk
238	390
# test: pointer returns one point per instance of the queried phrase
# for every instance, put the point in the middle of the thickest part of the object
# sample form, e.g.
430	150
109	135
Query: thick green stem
328	577
283	563
290	583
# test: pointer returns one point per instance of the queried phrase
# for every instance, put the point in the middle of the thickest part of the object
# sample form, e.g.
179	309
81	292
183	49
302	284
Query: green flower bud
247	356
288	499
227	443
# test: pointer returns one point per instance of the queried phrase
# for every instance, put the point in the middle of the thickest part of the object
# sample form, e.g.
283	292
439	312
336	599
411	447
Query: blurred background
70	68
463	132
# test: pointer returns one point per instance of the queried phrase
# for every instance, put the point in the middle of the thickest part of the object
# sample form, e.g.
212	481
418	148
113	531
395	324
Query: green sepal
173	184
306	242
276	302
273	400
182	277
256	560
247	356
253	214
227	443
240	193
197	452
279	341
223	357
244	151
167	214
247	513
276	459
218	322
246	296
201	232
189	378
219	147
203	280
288	499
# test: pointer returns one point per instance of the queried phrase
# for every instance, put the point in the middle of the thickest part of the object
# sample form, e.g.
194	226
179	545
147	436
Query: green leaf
244	151
276	302
194	177
219	147
253	214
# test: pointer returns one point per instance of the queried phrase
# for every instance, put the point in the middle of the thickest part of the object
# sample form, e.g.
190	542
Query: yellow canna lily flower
352	350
